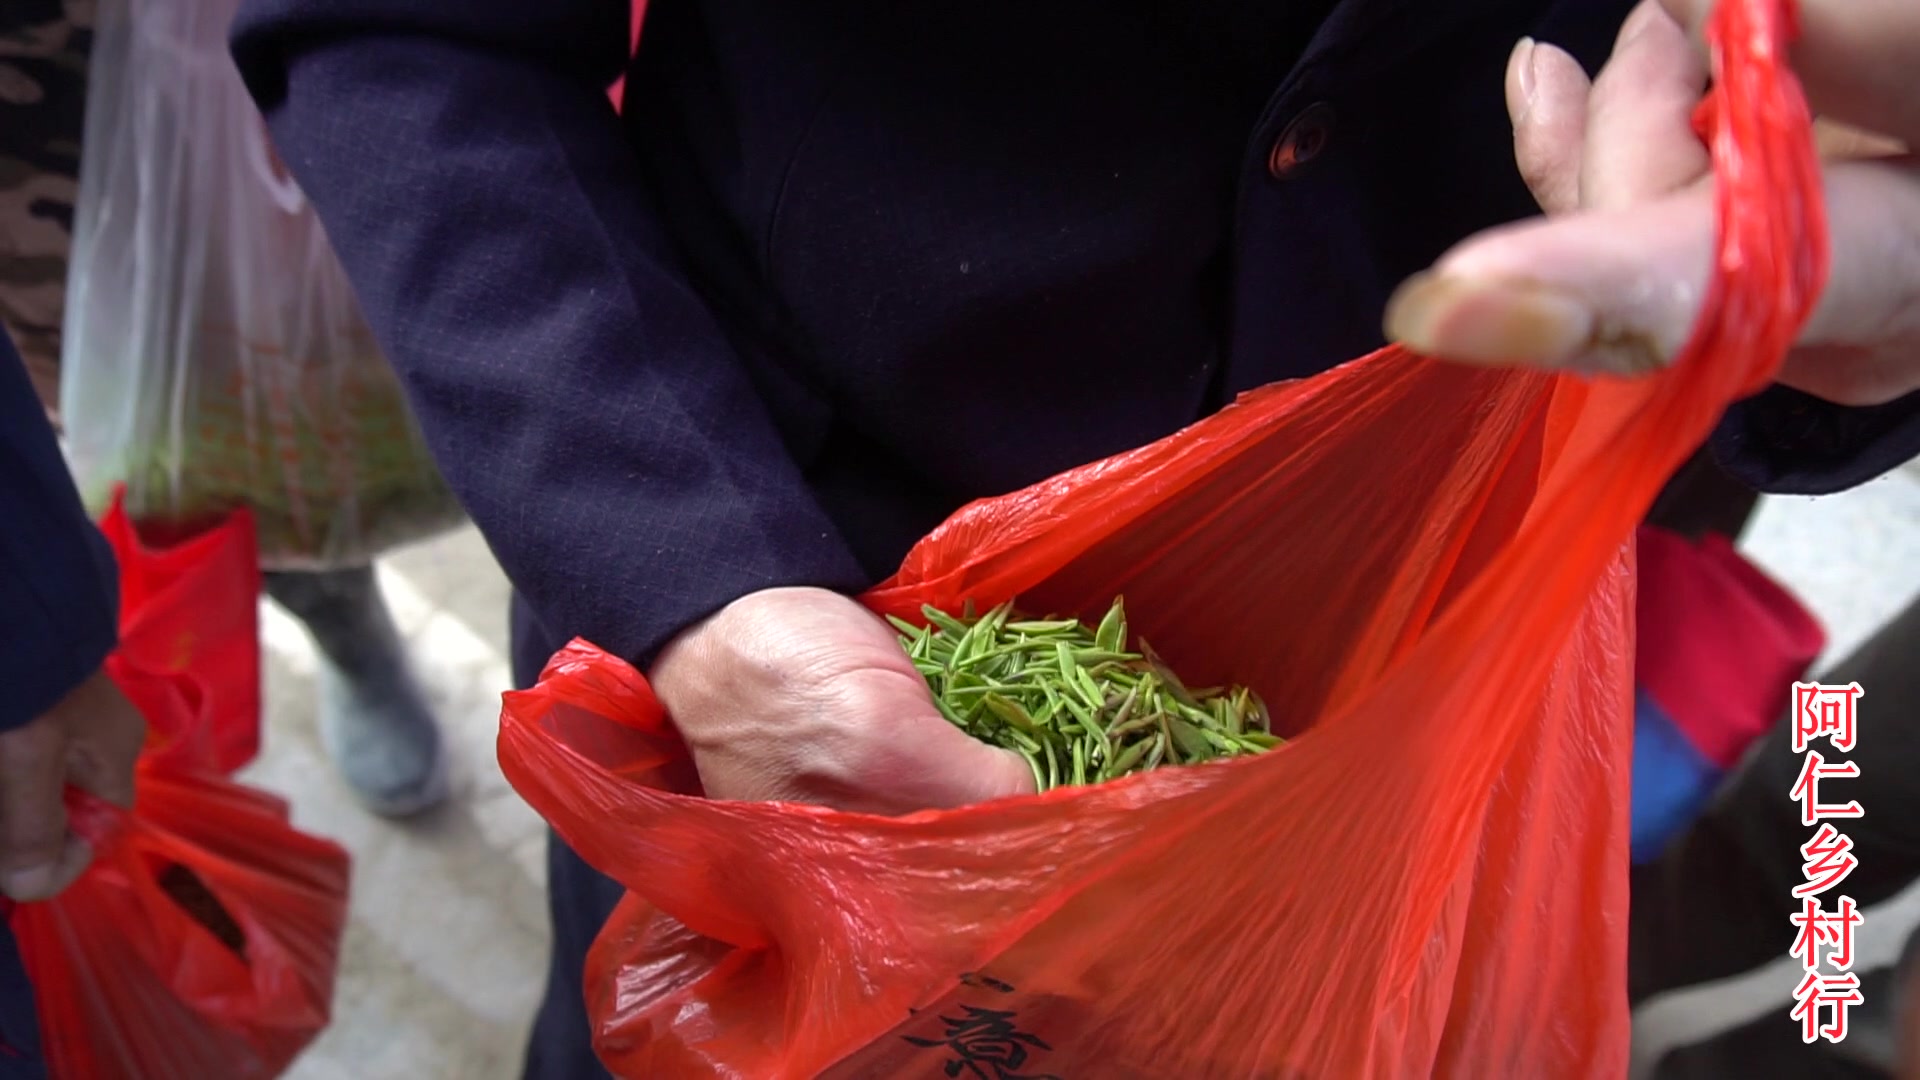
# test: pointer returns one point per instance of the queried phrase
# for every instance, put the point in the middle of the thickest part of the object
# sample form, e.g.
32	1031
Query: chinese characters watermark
1823	938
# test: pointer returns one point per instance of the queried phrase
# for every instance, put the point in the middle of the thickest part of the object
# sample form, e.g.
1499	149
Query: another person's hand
803	695
1613	280
91	740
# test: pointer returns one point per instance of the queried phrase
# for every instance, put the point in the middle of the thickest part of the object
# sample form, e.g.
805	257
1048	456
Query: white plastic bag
214	355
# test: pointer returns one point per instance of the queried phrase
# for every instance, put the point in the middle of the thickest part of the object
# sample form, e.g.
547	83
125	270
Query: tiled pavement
447	944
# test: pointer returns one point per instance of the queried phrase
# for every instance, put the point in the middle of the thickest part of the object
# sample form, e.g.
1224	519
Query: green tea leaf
1189	739
1071	699
1112	635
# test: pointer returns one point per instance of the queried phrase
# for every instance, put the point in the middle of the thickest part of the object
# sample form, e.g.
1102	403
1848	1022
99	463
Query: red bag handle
619	90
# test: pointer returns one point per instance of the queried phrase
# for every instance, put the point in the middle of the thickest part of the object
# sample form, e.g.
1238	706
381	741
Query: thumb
970	771
1598	291
105	733
921	761
1618	291
45	880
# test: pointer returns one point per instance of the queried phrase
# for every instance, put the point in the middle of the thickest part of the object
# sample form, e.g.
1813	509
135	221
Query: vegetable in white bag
214	354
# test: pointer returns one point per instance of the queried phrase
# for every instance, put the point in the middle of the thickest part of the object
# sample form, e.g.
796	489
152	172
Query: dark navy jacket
58	620
847	264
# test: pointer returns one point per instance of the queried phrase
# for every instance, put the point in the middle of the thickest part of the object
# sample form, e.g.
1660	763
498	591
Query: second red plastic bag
1427	573
203	940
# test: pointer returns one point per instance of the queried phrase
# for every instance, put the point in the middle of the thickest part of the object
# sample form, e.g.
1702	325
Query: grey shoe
383	739
375	723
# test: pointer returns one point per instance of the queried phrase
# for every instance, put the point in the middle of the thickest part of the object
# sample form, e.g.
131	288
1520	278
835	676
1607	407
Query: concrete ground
446	950
447	944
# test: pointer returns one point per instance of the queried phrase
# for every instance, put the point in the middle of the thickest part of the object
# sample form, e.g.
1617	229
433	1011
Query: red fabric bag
1425	570
1721	642
129	984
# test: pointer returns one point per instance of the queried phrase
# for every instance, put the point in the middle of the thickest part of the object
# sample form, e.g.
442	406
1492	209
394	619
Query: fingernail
1639	21
1489	322
1522	63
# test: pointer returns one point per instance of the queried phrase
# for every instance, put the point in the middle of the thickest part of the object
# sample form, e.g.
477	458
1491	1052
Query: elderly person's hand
1612	281
803	695
90	739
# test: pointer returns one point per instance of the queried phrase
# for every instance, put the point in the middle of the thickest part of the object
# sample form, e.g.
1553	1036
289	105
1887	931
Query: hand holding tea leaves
803	695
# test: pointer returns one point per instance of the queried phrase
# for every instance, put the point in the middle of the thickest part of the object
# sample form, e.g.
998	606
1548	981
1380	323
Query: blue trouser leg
1718	901
579	899
19	1025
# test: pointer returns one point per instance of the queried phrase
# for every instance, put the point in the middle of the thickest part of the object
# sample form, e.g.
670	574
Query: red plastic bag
1425	570
203	940
189	654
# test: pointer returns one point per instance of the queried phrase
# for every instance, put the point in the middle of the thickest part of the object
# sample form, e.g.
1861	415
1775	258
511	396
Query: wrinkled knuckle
1895	248
1690	14
1540	172
27	894
40	847
120	734
848	668
1645	16
836	773
855	767
1605	105
32	749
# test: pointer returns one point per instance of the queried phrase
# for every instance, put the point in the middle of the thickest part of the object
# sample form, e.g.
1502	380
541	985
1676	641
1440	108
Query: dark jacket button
1303	140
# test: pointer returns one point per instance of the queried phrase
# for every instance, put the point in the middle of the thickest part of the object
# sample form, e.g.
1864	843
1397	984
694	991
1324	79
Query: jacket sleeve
1788	443
59	590
578	393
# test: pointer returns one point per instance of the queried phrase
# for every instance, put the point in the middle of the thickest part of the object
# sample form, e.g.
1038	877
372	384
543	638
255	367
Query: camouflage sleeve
44	46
